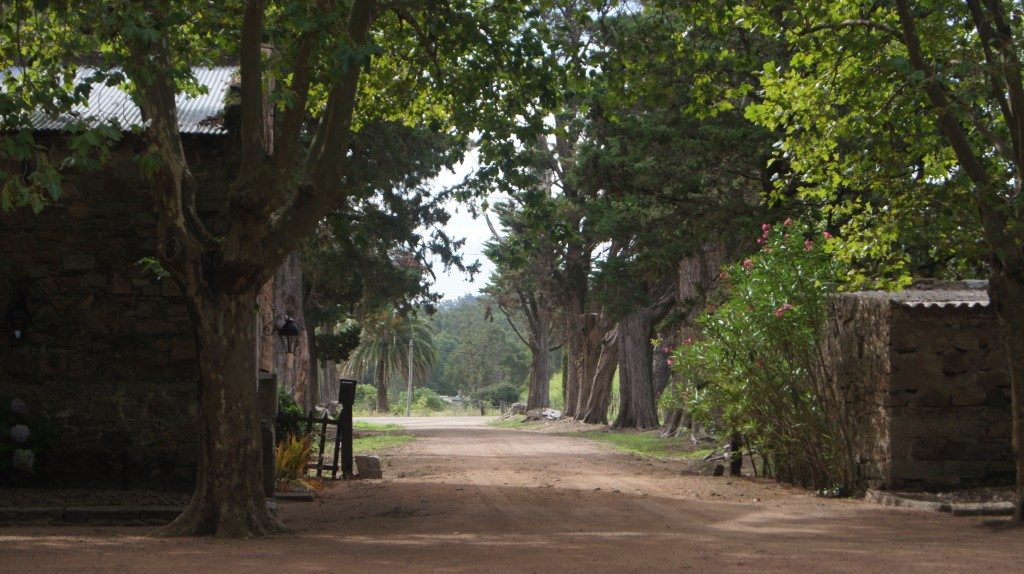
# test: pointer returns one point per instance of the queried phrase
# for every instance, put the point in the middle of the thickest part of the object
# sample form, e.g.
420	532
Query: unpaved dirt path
468	498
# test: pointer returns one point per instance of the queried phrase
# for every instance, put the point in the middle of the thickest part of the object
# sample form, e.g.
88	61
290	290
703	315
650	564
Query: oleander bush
757	368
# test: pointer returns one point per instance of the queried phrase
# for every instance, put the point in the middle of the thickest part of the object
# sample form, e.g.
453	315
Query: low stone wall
110	354
925	386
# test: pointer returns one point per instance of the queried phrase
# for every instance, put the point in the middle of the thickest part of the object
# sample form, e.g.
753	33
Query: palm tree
384	348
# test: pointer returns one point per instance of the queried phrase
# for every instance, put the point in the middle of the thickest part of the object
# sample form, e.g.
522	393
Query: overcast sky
462	226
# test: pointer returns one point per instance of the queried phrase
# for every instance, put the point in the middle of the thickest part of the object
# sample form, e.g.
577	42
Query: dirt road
468	498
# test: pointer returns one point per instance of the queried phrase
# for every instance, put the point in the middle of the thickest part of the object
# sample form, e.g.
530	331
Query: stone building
926	386
108	351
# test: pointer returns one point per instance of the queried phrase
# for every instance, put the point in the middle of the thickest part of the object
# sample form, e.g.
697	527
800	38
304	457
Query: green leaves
754	366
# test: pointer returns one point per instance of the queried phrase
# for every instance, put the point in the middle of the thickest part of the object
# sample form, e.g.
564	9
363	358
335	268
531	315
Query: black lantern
18	318
289	333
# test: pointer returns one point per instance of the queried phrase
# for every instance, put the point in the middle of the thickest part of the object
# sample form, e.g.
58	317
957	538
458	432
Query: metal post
408	392
347	398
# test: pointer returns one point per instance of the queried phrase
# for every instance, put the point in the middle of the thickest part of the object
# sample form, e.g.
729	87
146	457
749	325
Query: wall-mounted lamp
18	317
289	333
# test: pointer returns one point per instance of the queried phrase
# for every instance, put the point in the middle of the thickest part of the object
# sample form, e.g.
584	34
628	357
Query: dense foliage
756	368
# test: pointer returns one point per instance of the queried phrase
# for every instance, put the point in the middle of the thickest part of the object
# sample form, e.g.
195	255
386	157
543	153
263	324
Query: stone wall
856	352
949	398
109	354
925	382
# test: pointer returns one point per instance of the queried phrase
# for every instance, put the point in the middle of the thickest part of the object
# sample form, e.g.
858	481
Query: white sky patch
462	225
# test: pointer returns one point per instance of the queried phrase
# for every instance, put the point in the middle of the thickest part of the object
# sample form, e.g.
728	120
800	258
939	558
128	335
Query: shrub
291	456
757	369
366	398
289	415
424	400
501	393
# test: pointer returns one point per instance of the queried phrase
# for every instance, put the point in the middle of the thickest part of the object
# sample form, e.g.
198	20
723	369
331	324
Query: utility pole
408	393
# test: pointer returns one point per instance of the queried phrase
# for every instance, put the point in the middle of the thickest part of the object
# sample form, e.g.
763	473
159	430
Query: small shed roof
964	294
196	115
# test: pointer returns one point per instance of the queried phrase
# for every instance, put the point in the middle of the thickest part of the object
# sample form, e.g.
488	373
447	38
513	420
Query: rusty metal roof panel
196	115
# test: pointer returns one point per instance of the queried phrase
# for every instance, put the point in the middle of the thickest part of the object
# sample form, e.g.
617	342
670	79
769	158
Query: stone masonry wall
925	387
109	354
856	353
949	397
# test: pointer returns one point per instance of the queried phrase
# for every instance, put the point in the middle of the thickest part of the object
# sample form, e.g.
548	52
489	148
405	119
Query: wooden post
323	445
347	397
266	393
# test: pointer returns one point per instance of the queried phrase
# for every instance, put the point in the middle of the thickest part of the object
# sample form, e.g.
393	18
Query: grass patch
374	444
646	444
515	422
374	438
368	426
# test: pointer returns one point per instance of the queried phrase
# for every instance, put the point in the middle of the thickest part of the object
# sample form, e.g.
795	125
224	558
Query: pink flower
782	310
826	235
688	341
766	228
671	361
723	275
760	240
748	264
808	245
788	222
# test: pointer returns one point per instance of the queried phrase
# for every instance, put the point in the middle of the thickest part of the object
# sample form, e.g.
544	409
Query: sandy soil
468	498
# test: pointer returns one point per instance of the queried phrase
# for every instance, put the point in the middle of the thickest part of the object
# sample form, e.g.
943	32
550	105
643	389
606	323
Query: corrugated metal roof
196	115
951	294
943	304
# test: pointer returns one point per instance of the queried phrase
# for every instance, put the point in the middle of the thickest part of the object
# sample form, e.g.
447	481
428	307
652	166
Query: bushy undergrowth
756	370
291	456
424	402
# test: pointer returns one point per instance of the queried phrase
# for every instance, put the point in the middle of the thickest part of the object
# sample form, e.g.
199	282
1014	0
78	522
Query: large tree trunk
1007	295
576	323
596	411
539	395
660	371
637	408
228	500
576	363
313	370
594	330
282	295
381	382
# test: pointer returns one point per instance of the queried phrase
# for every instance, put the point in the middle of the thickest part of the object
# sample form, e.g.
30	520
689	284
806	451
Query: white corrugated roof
958	294
196	115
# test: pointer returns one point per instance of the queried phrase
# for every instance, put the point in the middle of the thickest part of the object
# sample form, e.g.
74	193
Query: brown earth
468	498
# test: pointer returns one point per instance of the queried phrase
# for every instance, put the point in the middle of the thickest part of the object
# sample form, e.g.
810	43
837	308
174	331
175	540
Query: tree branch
324	168
993	219
254	148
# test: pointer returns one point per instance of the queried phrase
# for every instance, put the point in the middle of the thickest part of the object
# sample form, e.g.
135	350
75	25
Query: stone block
955	362
932	399
368	467
119	285
78	262
168	288
183	350
968	395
